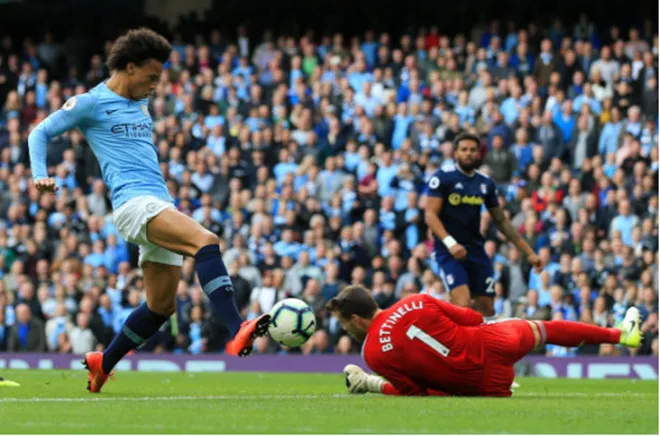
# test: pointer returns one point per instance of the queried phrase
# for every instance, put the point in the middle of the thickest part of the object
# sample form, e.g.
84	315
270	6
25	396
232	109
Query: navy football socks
217	285
140	325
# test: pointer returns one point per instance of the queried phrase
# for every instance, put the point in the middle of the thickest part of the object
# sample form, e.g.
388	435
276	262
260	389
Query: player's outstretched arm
401	385
75	112
359	382
389	389
505	226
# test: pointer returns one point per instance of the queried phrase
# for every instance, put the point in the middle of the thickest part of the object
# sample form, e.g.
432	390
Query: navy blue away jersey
463	197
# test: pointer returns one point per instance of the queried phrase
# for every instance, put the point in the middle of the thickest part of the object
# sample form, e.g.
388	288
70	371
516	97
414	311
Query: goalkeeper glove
359	382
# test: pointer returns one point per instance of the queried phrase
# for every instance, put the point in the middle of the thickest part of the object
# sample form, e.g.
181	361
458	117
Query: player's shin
572	334
140	325
217	285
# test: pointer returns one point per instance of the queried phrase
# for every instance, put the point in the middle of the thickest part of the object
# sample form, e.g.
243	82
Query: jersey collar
458	168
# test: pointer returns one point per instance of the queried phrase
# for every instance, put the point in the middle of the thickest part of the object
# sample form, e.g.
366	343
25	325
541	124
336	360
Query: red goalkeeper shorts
505	343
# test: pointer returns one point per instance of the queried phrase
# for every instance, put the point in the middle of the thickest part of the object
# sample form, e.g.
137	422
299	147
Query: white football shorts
131	221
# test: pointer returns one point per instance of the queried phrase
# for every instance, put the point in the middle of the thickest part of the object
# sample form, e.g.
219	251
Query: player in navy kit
455	199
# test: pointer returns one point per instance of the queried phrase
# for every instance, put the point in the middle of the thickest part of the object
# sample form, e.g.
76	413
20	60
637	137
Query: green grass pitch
57	402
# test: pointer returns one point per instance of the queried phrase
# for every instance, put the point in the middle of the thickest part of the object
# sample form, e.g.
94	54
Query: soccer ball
292	322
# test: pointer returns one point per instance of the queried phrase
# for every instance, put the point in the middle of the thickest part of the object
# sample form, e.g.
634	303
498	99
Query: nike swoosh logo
111	112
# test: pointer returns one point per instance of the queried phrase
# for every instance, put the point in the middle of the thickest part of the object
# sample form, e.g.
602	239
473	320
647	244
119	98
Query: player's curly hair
353	300
468	137
138	46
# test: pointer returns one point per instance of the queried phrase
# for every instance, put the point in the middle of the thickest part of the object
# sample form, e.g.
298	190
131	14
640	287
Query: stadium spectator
27	333
81	337
501	161
4	330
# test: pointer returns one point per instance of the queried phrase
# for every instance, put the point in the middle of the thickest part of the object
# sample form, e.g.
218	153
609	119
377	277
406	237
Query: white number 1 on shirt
416	333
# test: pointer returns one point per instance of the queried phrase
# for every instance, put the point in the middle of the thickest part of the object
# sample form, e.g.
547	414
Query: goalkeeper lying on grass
424	346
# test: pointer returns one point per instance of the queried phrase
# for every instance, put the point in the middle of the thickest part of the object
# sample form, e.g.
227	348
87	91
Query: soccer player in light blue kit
115	120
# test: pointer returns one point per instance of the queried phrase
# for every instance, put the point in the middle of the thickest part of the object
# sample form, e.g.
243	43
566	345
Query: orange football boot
241	345
94	364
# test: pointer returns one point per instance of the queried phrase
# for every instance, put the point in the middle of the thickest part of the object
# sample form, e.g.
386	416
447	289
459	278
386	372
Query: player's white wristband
449	242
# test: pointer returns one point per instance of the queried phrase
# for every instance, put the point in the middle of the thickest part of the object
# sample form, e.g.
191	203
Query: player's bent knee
460	296
162	307
206	238
460	301
485	306
486	312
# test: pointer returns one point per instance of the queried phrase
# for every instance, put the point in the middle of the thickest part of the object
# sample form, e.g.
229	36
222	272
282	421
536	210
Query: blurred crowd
308	156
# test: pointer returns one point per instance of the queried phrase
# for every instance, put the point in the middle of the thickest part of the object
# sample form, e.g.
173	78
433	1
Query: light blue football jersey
119	131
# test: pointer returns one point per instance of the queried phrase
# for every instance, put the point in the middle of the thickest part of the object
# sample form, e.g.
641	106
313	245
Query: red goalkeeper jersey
424	346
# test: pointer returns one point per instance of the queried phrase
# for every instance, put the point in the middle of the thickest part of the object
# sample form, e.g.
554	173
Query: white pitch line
585	395
296	397
194	427
174	398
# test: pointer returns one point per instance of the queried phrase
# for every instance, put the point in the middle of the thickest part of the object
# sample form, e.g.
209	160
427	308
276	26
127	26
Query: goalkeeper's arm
359	382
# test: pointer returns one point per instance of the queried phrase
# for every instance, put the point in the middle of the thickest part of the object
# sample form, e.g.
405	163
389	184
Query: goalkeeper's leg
573	334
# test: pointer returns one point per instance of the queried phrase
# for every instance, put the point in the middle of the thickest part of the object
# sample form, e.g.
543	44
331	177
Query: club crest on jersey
145	110
455	199
484	189
70	104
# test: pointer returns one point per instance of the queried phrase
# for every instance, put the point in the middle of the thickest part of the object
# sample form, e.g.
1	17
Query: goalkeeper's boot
631	334
8	383
241	345
97	377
